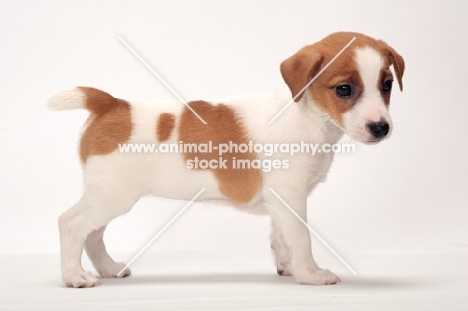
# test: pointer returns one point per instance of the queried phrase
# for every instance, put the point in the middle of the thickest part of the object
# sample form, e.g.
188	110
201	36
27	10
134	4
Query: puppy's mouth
366	140
372	141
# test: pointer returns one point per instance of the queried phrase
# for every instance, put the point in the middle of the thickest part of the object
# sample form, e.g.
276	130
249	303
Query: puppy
350	97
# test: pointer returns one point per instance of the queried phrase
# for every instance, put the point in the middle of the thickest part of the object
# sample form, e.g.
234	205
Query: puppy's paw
283	271
316	276
283	267
80	279
112	270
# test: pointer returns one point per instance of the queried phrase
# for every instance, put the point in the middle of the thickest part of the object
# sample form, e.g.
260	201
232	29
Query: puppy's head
354	89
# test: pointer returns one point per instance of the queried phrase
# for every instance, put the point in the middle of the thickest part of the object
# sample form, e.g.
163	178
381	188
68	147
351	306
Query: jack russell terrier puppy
351	96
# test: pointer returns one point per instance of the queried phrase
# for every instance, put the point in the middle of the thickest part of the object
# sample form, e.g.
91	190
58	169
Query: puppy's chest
317	166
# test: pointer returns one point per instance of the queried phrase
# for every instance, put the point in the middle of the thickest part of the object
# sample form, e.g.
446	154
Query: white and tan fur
115	181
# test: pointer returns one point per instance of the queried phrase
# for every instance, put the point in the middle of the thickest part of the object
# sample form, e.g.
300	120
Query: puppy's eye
344	90
387	86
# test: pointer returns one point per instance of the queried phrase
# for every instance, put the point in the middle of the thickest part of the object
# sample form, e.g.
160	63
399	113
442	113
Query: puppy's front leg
297	238
281	252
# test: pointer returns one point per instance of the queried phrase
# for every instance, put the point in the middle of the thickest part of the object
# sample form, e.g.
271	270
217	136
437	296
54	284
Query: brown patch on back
110	124
223	126
165	125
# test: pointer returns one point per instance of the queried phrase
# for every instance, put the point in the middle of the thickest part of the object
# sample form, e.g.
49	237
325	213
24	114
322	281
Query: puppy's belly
173	180
168	176
162	175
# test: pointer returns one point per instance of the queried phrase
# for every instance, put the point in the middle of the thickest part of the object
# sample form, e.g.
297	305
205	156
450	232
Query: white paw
316	276
113	270
80	279
283	268
283	263
283	272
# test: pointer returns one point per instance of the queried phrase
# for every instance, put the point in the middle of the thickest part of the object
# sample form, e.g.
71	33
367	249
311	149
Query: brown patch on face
110	124
166	123
325	97
342	71
223	126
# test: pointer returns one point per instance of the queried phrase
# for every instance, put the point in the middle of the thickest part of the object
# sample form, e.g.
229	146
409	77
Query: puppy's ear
396	60
299	69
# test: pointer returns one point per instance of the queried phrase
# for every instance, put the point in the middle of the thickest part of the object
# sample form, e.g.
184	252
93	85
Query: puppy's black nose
379	129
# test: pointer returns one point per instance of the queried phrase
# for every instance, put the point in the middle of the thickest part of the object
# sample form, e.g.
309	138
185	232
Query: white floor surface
419	278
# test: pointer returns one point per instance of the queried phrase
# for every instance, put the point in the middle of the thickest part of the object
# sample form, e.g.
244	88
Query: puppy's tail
94	100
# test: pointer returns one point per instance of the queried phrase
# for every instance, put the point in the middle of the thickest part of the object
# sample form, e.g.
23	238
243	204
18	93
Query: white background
409	191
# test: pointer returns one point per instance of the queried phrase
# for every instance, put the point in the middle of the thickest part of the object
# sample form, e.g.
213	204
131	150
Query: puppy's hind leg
102	262
73	232
98	206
